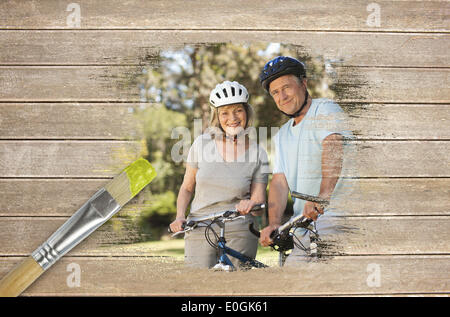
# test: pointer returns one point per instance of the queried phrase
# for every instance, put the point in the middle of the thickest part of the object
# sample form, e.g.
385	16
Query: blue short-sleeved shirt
298	149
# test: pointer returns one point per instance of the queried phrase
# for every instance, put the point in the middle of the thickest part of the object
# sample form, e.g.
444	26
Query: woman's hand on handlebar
265	240
177	225
245	206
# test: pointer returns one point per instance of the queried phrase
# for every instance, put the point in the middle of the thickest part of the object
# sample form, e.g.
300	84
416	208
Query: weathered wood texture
103	121
67	126
68	83
327	15
108	83
105	158
155	276
369	197
66	159
361	236
124	47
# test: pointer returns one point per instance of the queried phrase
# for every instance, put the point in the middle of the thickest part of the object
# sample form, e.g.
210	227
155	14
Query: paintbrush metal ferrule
95	212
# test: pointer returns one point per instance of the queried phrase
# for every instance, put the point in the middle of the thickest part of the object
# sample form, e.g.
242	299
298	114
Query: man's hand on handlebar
312	210
265	238
177	225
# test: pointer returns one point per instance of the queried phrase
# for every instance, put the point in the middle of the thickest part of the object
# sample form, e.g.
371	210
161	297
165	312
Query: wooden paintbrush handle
17	280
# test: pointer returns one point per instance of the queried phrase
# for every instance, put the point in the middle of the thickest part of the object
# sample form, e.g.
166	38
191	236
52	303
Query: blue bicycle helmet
283	65
279	66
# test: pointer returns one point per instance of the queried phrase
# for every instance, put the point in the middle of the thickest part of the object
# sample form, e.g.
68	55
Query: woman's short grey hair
214	119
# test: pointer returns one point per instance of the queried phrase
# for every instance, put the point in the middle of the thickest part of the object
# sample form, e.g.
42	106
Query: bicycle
283	238
220	219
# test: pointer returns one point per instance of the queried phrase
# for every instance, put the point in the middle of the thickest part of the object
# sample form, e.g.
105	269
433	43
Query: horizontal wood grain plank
46	197
66	159
399	121
20	236
292	15
142	276
120	83
376	197
397	159
69	121
90	159
66	83
390	85
120	121
368	197
137	46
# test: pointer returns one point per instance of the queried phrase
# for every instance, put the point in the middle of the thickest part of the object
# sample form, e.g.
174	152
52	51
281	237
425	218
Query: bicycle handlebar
300	220
226	215
315	199
279	236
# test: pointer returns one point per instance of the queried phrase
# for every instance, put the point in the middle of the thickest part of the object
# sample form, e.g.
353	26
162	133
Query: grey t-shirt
220	185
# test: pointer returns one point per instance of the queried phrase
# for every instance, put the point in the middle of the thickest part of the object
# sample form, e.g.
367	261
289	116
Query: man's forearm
278	193
332	158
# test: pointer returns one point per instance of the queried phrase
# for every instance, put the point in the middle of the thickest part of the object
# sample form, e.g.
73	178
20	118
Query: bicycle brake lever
233	219
183	231
229	213
306	223
190	226
258	207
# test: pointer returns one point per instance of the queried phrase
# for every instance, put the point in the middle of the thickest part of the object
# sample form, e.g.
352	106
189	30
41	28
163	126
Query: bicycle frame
225	262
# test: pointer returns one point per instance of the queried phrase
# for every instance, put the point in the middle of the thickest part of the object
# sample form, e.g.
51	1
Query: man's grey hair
299	80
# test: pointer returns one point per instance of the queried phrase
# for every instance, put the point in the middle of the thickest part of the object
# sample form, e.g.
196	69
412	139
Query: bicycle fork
225	263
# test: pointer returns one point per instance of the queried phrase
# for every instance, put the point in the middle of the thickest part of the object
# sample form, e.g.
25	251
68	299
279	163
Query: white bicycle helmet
228	93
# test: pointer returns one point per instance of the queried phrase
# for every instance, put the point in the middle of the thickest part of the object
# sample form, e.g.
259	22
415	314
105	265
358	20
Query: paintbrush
95	212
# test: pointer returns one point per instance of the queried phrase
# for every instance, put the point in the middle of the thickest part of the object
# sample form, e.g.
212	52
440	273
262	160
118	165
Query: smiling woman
232	121
226	171
233	118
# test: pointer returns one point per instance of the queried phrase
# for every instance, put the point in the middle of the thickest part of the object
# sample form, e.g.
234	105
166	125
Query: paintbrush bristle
131	181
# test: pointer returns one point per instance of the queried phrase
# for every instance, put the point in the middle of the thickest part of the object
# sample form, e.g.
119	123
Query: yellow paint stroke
140	173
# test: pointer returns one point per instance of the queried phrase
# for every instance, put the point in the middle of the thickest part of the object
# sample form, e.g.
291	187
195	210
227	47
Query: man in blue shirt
308	148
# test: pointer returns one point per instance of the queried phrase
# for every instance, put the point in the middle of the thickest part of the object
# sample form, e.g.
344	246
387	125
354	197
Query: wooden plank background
67	126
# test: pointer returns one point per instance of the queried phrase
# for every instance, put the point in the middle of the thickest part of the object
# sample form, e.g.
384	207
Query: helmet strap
235	137
231	137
